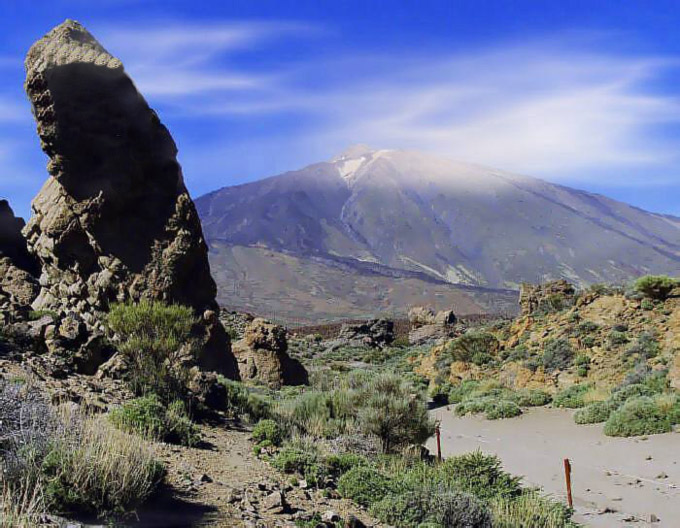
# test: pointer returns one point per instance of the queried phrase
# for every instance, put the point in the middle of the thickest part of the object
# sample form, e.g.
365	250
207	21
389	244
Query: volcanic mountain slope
392	212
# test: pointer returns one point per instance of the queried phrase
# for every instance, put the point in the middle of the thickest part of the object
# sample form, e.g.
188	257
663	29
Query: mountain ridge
460	223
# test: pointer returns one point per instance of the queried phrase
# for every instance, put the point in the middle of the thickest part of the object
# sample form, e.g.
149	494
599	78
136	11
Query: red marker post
567	476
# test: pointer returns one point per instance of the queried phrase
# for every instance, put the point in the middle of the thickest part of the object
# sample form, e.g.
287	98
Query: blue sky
583	93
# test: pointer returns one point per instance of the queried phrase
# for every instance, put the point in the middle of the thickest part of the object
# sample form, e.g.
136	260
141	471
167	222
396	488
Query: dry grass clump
64	461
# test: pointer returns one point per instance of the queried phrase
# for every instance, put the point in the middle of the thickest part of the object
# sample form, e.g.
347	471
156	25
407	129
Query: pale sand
622	474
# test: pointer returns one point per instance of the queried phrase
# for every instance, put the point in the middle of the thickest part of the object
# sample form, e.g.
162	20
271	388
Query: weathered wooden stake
438	434
567	476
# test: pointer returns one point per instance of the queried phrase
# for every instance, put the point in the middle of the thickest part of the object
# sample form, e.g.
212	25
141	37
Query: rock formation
545	296
376	333
262	356
114	221
427	326
18	269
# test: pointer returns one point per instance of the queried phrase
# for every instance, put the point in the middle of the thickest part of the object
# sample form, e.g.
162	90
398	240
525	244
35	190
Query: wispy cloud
545	107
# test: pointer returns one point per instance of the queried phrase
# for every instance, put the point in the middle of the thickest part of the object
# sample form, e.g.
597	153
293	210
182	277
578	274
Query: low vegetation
156	341
150	418
63	461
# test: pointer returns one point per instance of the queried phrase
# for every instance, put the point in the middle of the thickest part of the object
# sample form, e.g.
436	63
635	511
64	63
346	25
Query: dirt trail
616	481
222	484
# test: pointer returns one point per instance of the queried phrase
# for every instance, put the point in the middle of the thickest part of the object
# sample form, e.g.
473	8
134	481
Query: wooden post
438	434
567	476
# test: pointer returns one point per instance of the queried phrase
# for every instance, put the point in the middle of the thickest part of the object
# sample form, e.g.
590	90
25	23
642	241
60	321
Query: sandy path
635	478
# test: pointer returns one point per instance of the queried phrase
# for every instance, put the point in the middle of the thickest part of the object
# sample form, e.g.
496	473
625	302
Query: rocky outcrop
428	326
376	333
18	269
262	356
114	221
547	296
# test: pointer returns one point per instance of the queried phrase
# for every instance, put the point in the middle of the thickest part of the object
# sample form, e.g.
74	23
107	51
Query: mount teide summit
406	215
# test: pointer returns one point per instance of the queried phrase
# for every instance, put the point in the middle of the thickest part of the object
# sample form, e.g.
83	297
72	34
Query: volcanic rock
114	221
376	333
262	356
428	326
18	269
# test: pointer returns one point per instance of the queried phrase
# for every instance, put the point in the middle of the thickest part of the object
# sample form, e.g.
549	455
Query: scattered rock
275	502
330	516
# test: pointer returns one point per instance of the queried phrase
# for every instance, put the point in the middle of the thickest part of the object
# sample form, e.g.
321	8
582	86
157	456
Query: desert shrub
617	337
474	346
646	304
646	346
383	405
532	398
557	354
481	475
572	397
621	394
268	431
364	485
242	403
656	287
93	468
151	419
432	507
586	327
519	353
339	464
458	393
390	411
530	510
502	409
596	412
638	416
306	462
155	339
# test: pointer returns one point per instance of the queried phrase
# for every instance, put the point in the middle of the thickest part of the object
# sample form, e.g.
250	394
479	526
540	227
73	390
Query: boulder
376	333
262	356
427	326
18	268
533	297
114	221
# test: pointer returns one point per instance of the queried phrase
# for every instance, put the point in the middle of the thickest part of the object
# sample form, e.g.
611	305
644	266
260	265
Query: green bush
242	403
474	346
150	418
638	416
429	507
646	304
532	398
458	393
481	475
586	327
268	430
307	463
596	412
572	397
557	354
530	510
155	340
390	411
341	463
618	338
364	485
656	287
502	409
440	394
646	346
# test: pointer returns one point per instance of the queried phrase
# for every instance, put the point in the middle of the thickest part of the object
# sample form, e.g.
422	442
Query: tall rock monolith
114	221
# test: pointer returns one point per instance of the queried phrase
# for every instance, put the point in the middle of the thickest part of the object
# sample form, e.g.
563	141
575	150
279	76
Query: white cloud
555	107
